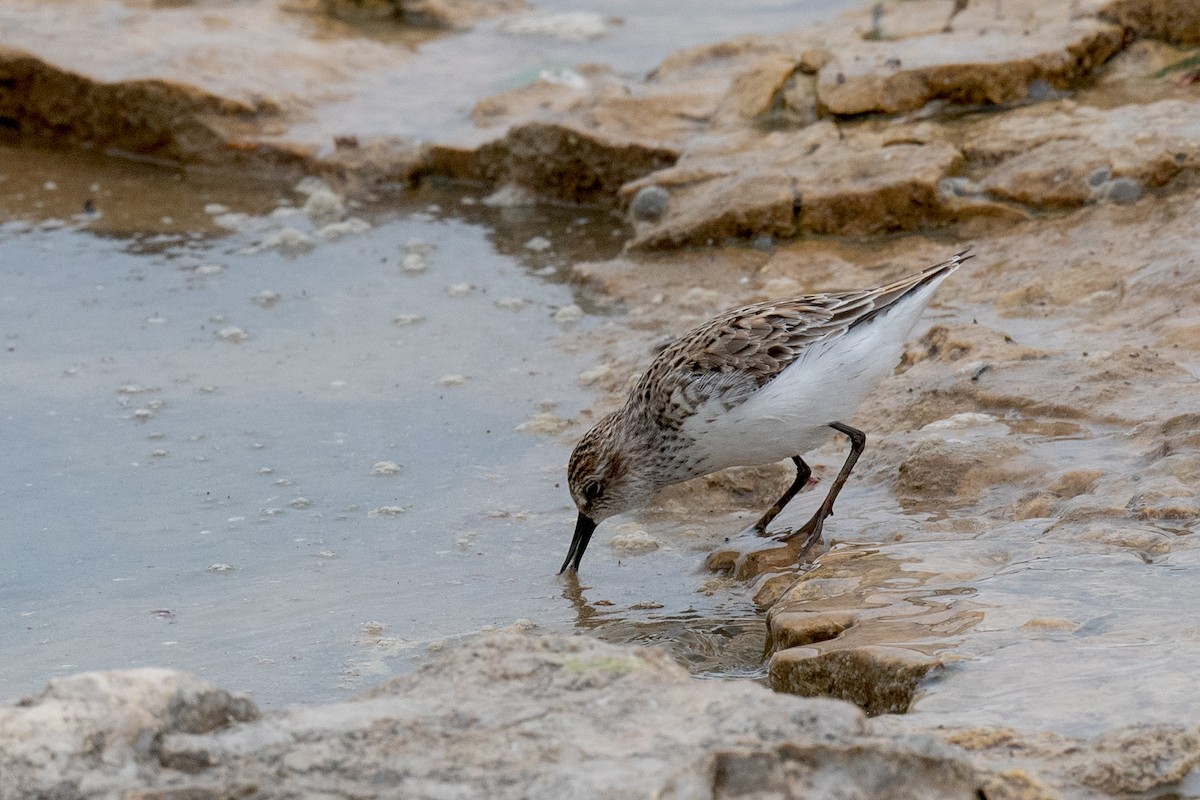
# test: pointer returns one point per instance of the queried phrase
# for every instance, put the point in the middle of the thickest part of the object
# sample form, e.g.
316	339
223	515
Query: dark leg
802	474
812	528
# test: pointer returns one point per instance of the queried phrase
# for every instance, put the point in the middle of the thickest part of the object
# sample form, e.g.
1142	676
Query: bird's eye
593	489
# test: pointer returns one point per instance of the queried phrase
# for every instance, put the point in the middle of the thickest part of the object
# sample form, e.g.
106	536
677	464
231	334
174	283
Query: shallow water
176	497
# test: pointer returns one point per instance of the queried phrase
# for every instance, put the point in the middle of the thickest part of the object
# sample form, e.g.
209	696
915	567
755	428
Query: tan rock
1140	758
1176	21
880	680
1061	156
995	67
814	180
757	90
570	163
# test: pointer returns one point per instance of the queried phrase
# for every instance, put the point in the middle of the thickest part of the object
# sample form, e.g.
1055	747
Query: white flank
790	415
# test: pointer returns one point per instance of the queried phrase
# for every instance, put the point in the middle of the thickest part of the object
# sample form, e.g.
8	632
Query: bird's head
603	482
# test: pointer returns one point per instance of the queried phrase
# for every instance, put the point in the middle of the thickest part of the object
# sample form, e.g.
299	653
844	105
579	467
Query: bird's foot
754	551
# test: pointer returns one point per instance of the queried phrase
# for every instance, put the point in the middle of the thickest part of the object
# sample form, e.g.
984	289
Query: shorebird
754	385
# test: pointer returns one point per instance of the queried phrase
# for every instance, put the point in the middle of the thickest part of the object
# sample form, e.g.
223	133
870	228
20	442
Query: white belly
790	415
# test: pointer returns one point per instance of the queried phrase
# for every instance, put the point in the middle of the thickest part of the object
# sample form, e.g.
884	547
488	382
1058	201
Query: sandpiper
754	385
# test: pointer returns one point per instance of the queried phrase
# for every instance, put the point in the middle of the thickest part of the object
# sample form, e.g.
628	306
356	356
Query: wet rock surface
532	716
513	716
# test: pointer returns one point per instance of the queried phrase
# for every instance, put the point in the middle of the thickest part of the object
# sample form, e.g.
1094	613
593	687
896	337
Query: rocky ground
1030	484
537	717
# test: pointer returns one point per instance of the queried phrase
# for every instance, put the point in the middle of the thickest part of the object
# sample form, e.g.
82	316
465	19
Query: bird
754	385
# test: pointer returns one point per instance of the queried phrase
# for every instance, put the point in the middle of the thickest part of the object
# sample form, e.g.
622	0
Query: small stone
538	244
300	502
510	196
266	298
233	334
209	269
220	567
452	380
215	209
1124	191
510	303
133	388
649	204
310	184
349	227
596	375
324	206
459	289
386	511
288	241
568	315
545	424
404	320
632	540
1098	177
419	247
385	468
414	263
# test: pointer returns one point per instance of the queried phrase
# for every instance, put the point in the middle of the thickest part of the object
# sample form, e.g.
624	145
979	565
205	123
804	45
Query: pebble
404	320
324	206
568	315
233	334
1124	191
545	424
414	263
632	540
386	511
385	468
538	244
459	289
649	204
452	380
288	241
349	227
266	298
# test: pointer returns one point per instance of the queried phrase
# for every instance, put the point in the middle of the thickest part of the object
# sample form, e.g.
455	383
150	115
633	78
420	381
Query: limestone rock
880	680
1063	155
1176	21
994	67
814	180
570	163
509	716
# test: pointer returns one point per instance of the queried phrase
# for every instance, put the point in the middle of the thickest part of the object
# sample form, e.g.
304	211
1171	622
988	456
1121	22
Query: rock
996	66
1062	155
436	14
1140	759
879	680
816	180
1177	21
649	204
507	716
570	163
96	728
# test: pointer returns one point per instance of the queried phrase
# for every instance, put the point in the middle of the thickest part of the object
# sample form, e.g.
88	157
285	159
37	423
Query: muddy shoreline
1009	570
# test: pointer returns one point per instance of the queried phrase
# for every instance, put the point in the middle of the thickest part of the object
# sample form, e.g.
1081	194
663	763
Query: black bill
583	534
